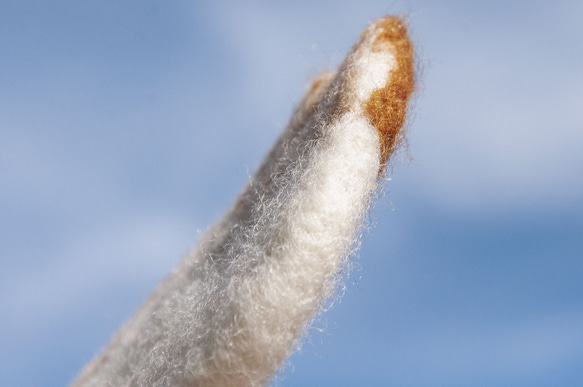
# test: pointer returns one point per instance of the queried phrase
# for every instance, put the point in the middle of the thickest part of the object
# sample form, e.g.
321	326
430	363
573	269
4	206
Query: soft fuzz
236	306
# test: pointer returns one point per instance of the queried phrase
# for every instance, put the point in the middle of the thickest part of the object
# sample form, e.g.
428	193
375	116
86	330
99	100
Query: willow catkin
234	309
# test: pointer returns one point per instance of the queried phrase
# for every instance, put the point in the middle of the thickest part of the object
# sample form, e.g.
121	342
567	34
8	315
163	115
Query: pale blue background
128	127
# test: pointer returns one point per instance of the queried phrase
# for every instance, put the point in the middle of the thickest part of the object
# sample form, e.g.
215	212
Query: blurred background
128	127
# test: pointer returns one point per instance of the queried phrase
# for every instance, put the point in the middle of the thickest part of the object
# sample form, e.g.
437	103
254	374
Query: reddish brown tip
387	107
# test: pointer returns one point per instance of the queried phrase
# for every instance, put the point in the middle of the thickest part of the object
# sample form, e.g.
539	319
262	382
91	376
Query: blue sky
128	127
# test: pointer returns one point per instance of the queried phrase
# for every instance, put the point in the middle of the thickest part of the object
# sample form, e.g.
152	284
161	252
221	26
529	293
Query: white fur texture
234	309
